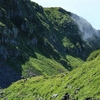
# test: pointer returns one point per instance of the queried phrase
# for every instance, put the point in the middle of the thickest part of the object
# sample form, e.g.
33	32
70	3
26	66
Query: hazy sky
88	9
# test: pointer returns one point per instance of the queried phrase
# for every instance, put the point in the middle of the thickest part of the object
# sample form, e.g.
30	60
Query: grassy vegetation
1	24
80	84
67	43
56	15
42	65
47	44
93	55
74	62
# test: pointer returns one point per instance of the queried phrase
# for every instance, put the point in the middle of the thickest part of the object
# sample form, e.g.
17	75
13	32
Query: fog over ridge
87	32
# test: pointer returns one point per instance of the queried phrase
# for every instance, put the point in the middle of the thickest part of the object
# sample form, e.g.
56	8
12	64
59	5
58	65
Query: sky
88	9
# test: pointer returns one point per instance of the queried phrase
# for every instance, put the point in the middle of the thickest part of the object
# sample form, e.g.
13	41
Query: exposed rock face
24	25
7	75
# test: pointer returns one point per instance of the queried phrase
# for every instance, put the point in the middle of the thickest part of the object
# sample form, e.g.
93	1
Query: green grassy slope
38	41
80	84
42	66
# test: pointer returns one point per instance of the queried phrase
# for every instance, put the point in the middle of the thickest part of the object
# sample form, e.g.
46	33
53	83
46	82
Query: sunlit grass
81	83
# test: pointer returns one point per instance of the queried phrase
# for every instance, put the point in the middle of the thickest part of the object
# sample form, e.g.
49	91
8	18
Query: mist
87	32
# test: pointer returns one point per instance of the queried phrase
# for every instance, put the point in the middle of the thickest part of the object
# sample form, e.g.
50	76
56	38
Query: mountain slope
80	84
38	41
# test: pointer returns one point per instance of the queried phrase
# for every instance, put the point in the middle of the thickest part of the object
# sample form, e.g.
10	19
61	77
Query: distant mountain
38	41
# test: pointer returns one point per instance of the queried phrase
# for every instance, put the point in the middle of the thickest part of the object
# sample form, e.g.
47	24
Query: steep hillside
76	34
80	84
38	41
